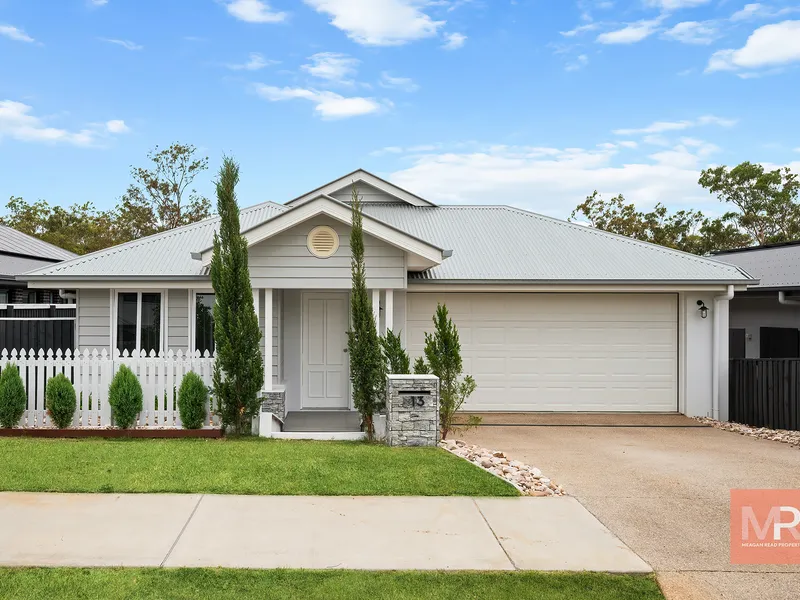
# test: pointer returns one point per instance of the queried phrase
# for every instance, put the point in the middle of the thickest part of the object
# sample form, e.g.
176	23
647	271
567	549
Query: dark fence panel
765	392
37	334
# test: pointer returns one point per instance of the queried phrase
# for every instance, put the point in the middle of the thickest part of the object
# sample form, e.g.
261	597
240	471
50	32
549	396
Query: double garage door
561	352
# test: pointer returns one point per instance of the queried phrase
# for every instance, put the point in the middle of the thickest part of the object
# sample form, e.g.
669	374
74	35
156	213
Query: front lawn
198	584
239	466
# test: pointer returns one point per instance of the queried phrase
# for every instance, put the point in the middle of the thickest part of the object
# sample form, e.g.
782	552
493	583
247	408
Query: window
139	321
31	296
3	296
204	323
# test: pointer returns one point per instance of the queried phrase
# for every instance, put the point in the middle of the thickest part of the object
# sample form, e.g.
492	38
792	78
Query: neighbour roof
167	254
16	242
776	265
489	243
501	243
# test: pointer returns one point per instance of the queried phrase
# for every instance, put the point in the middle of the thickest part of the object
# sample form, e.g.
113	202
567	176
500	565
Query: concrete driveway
664	491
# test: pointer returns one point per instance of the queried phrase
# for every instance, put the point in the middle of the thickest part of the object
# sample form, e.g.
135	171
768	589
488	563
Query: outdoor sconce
703	309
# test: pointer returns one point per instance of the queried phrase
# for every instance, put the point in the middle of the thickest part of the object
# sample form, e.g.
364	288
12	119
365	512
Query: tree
766	201
160	198
367	367
686	230
238	368
394	354
443	354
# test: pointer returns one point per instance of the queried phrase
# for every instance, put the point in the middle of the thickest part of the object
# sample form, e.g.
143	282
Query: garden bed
108	432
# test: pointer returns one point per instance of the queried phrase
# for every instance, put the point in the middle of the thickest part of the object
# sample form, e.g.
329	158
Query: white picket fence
91	374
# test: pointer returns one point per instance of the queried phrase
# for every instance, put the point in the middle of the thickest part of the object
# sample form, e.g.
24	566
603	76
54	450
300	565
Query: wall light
703	309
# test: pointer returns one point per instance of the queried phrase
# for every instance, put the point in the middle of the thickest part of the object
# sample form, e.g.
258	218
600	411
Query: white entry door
326	382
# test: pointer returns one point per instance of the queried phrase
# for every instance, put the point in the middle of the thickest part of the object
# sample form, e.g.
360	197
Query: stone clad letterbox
412	410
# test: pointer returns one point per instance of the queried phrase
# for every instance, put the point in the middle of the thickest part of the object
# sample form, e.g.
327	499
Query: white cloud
631	33
405	84
332	66
761	11
127	44
693	32
379	22
17	122
98	2
255	62
454	41
328	105
580	61
254	11
117	126
769	46
664	126
15	33
676	4
628	144
561	178
580	29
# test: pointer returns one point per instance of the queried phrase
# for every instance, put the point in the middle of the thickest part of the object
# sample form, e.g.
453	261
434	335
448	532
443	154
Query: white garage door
561	352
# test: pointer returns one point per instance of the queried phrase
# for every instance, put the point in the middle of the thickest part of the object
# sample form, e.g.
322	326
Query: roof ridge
148	239
601	233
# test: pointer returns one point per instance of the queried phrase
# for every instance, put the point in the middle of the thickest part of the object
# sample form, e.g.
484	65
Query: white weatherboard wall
561	352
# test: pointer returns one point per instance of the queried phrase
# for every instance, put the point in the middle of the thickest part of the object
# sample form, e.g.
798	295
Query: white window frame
162	325
193	314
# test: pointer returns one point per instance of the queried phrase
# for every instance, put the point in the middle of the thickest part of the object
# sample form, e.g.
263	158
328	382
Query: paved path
665	492
313	532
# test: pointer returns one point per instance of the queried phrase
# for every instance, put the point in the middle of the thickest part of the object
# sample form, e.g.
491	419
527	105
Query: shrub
192	398
12	396
125	398
443	351
397	361
420	368
61	400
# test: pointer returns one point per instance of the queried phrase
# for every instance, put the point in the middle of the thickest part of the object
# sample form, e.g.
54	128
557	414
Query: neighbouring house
765	319
32	317
553	316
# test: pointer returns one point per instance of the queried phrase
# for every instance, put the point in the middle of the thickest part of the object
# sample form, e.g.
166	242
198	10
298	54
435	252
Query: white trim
114	302
365	177
165	318
566	287
338	211
38	318
37	306
268	301
376	309
352	436
388	310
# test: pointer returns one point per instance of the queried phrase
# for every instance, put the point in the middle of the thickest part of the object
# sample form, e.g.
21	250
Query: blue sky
528	102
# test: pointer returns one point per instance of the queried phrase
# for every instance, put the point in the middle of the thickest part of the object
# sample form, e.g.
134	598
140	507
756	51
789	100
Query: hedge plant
192	398
12	396
125	398
61	401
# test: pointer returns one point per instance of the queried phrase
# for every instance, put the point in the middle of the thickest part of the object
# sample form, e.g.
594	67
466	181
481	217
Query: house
552	316
20	253
32	317
765	319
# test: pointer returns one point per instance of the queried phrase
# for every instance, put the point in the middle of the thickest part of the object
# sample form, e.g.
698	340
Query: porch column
388	310
267	339
376	309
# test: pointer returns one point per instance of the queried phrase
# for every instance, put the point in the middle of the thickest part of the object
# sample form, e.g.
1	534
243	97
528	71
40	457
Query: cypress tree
363	344
238	368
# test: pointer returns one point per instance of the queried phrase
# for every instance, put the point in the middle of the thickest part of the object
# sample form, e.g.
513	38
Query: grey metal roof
167	254
11	266
16	242
489	243
776	266
501	243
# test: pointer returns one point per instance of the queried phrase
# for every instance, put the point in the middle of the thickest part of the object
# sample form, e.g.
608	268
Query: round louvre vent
323	241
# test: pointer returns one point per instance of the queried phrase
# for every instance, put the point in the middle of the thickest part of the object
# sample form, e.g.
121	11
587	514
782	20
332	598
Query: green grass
233	584
241	466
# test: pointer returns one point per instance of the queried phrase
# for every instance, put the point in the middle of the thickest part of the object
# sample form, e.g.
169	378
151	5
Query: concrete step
322	421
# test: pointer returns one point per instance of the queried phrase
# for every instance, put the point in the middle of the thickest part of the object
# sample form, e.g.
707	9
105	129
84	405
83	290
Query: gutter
791	301
715	352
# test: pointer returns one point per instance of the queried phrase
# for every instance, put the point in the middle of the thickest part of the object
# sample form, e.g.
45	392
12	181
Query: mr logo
765	527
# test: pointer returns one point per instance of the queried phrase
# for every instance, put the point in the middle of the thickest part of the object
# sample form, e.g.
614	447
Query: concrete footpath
314	532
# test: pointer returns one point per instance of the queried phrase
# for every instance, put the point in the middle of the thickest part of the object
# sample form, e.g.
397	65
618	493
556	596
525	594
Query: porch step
322	421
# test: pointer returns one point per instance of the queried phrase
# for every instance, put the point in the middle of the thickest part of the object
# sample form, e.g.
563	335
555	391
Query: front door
326	382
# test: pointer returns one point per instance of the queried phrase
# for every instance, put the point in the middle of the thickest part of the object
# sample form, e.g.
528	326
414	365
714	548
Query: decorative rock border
527	479
764	433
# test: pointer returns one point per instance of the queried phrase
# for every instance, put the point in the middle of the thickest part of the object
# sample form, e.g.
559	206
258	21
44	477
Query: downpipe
715	352
782	299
